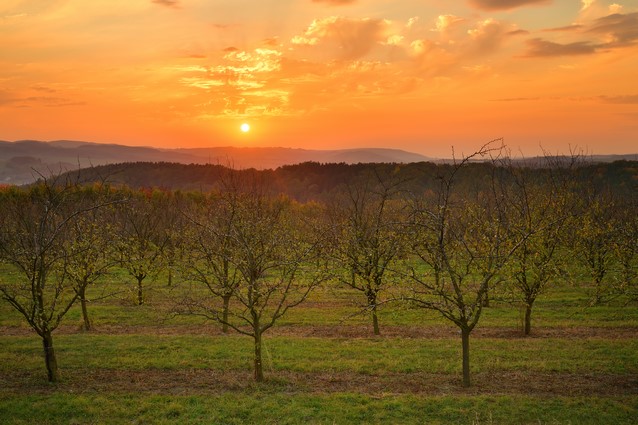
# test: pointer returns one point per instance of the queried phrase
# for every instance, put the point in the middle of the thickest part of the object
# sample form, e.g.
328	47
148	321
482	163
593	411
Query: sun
245	128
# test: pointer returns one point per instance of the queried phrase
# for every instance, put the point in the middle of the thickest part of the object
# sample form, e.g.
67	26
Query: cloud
619	30
517	32
542	48
412	22
224	27
504	4
241	70
487	36
35	101
568	28
335	2
8	18
272	42
43	89
443	22
586	4
516	99
621	100
613	31
354	38
167	3
615	8
430	59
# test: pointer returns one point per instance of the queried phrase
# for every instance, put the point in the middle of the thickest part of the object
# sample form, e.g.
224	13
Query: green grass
344	408
130	339
362	355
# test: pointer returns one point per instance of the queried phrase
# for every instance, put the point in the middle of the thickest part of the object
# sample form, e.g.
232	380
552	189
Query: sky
427	76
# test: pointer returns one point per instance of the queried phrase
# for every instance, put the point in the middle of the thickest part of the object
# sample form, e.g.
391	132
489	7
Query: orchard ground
143	365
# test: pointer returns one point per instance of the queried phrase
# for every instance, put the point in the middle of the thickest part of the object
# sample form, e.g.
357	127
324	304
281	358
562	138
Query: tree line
447	238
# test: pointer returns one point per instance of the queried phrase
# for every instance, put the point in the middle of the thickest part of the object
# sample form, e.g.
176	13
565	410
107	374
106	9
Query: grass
260	408
323	366
302	354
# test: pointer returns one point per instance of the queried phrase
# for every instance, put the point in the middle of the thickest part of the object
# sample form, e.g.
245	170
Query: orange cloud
621	100
487	36
167	3
613	31
542	48
353	38
335	2
443	22
504	4
621	30
567	28
586	4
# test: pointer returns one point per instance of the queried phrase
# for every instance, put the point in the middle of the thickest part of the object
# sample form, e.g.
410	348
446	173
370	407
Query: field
140	365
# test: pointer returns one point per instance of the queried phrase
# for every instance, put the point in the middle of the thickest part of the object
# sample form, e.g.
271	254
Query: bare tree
594	233
207	242
35	224
270	258
625	248
88	255
142	233
461	244
540	207
366	235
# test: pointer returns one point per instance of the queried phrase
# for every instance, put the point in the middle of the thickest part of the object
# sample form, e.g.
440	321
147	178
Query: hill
22	161
316	181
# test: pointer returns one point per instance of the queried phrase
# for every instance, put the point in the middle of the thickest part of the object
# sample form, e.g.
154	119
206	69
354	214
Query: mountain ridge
23	161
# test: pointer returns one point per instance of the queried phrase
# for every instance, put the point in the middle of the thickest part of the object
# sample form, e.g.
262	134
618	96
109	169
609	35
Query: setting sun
245	128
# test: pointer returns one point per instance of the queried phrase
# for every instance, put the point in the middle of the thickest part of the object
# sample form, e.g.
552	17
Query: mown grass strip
360	355
344	408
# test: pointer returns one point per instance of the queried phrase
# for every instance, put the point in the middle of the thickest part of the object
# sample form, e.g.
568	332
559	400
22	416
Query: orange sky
420	75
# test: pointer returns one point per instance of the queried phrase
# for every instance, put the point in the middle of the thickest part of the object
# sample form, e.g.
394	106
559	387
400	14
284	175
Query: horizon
514	155
425	77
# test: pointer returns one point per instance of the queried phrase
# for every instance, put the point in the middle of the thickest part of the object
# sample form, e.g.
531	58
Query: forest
247	271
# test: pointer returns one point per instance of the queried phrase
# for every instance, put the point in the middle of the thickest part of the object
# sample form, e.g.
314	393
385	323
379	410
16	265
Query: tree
625	249
461	244
595	230
35	223
366	235
271	255
142	233
207	242
539	209
88	253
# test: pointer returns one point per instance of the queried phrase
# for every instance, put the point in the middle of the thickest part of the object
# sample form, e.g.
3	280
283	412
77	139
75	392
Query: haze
423	76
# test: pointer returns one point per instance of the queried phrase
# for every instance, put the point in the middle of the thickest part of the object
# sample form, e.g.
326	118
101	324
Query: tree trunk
170	277
486	299
375	320
259	370
465	340
598	295
528	318
140	295
226	299
372	305
85	311
49	357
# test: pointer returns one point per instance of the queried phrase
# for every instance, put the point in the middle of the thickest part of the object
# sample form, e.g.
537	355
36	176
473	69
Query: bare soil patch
204	381
349	331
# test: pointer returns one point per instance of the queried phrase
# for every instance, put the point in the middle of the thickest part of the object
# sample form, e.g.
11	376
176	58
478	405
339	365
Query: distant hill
22	161
315	181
